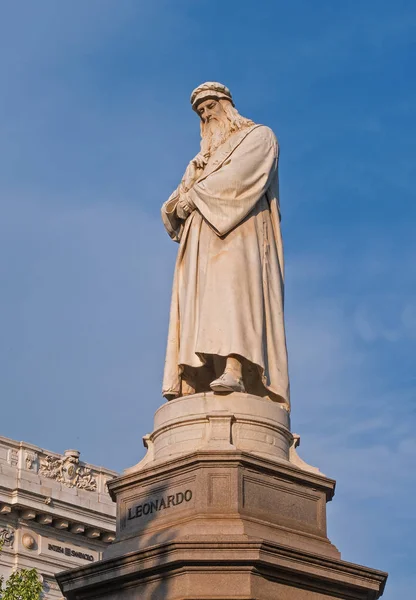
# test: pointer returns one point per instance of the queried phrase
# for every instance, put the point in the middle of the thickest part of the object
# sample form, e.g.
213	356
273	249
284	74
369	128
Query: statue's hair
236	122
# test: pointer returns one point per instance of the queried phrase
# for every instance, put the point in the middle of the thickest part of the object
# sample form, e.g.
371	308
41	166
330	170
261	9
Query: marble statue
226	331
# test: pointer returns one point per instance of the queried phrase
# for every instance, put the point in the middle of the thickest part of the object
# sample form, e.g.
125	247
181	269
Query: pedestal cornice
213	458
186	559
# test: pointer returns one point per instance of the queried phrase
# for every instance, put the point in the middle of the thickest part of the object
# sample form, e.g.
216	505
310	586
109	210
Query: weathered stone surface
230	492
223	525
218	567
222	507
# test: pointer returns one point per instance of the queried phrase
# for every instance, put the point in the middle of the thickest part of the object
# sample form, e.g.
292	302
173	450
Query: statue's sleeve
228	195
172	223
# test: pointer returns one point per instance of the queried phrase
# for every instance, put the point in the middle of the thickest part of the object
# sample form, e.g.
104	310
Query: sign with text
68	552
156	503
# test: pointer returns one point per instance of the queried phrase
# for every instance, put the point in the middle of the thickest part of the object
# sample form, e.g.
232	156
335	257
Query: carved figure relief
30	459
67	470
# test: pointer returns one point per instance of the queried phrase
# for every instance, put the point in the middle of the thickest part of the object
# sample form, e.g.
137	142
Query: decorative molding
6	537
67	470
13	457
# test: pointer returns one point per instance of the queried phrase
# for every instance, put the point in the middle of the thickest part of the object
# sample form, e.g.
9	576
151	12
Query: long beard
214	133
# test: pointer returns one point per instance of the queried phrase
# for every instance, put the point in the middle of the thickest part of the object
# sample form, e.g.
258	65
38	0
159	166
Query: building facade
55	511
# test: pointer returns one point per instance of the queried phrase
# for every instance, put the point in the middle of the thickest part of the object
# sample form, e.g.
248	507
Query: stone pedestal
222	507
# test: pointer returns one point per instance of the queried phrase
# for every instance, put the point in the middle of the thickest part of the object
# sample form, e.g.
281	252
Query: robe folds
228	285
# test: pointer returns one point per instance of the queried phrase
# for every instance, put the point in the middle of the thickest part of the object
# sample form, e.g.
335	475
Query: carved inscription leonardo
158	504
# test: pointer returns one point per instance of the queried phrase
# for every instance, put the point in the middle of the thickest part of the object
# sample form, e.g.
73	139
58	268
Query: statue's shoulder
263	132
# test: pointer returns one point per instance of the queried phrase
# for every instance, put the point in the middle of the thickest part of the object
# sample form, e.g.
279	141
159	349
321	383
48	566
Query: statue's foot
228	383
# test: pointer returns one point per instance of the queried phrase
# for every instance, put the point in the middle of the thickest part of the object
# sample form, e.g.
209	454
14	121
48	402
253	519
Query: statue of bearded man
226	331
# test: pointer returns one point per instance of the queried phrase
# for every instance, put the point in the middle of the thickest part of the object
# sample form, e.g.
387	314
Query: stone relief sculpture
226	330
67	470
30	460
6	537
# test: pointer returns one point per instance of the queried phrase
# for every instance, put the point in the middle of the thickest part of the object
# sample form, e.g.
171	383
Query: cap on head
210	89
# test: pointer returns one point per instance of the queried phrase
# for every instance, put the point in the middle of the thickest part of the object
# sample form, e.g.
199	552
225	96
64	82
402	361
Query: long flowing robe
227	296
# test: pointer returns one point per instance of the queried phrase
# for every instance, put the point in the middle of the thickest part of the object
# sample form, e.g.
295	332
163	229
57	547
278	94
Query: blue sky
96	132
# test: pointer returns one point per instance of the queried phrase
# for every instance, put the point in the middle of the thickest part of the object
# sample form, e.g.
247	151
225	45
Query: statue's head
214	104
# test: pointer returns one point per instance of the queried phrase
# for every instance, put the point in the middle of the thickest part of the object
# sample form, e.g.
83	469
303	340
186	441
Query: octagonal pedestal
222	508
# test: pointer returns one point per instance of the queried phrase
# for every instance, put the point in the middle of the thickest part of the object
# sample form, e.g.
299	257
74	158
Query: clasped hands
185	206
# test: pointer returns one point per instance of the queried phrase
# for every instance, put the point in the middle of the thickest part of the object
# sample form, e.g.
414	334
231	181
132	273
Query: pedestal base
222	508
219	569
